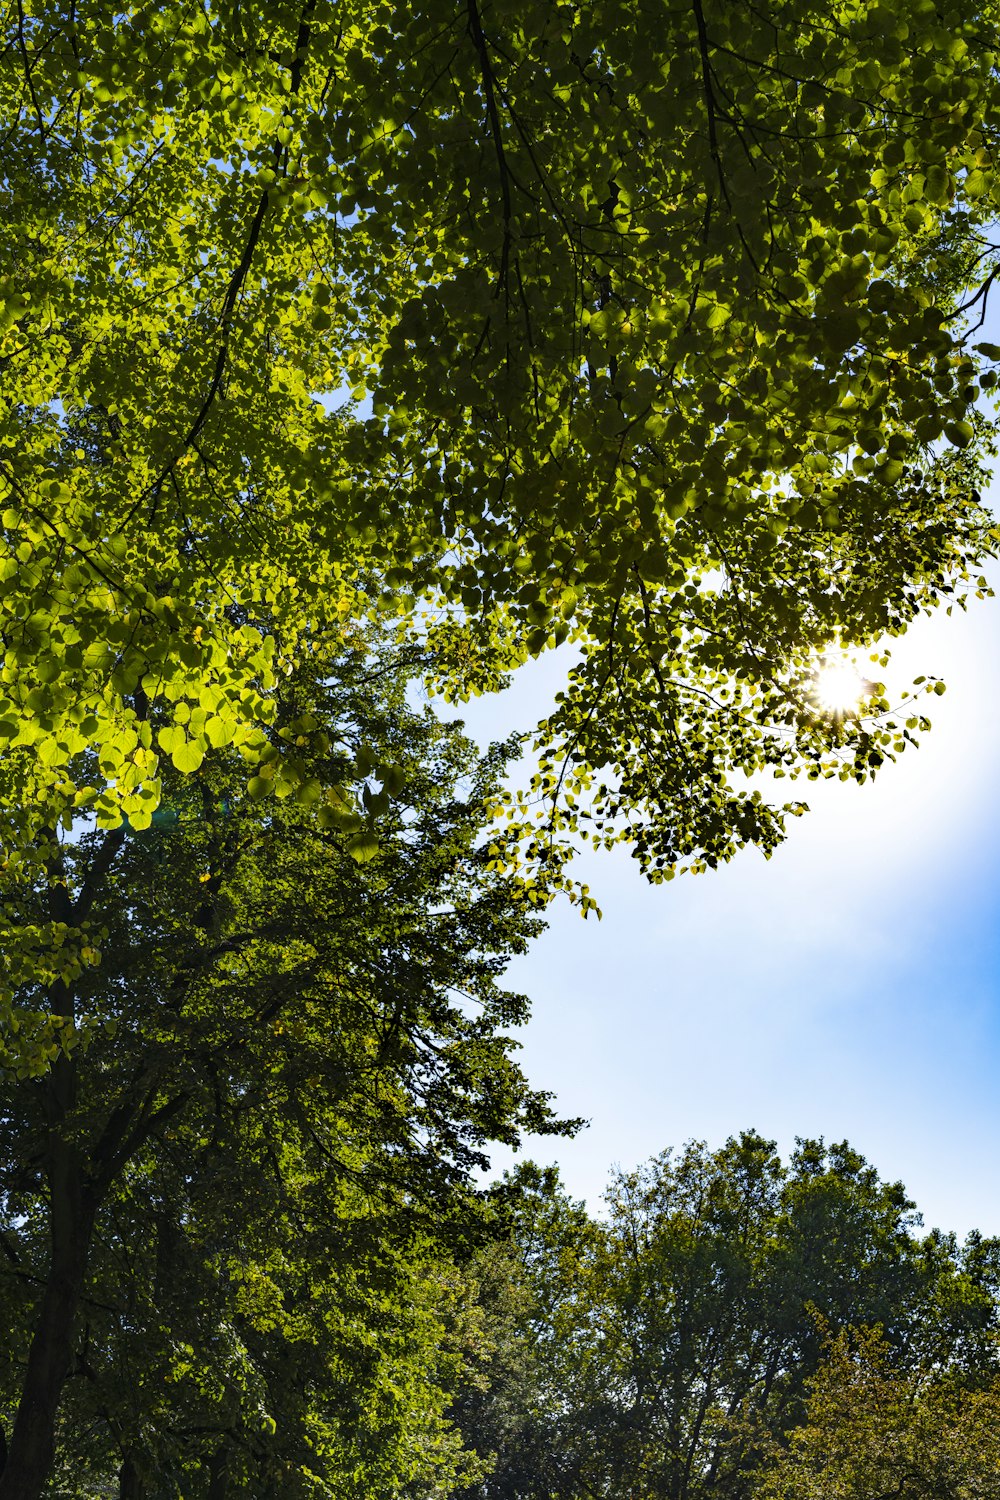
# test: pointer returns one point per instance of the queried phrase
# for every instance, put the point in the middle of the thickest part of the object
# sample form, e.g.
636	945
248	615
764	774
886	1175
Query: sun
838	687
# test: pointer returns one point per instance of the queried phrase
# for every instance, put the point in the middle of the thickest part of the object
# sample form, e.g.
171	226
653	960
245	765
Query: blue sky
849	987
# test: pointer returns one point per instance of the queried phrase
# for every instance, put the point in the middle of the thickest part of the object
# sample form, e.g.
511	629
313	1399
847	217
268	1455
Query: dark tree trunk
132	1478
73	1201
71	1217
32	1442
218	1469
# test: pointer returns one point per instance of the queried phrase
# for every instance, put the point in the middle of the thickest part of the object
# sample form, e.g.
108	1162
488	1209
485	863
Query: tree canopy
641	327
873	1429
663	1350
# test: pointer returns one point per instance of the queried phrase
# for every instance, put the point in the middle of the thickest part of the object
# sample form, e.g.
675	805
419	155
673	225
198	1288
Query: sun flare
839	687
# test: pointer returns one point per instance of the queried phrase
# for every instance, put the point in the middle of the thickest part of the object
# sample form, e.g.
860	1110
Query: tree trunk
73	1201
71	1210
218	1469
132	1478
32	1442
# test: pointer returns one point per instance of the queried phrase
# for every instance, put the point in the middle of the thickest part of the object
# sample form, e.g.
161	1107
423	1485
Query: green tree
660	1344
263	1318
519	1407
872	1429
229	1204
646	328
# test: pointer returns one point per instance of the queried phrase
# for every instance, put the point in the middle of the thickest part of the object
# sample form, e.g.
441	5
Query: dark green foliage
646	1354
259	1160
920	1432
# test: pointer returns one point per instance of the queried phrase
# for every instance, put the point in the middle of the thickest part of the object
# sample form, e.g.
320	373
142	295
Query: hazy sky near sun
849	987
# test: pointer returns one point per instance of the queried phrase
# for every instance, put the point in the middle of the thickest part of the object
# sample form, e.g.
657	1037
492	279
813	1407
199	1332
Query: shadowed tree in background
647	1354
873	1428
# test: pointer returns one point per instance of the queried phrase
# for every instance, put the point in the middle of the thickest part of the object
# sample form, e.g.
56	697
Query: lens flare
839	687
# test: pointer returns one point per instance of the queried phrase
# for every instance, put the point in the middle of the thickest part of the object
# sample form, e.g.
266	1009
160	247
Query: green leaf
188	756
363	847
393	779
171	738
